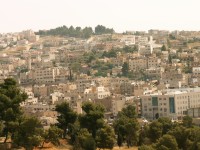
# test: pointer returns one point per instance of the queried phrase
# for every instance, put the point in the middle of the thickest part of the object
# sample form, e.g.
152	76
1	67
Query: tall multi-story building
137	63
172	103
44	75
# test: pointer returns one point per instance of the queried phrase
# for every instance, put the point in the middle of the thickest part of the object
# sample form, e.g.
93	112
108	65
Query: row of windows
161	109
185	97
184	107
162	104
149	99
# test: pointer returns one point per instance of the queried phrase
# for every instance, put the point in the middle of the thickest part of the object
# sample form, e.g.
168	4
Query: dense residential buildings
156	71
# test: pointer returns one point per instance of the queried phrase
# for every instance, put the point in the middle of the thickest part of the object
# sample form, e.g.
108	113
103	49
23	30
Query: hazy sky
17	15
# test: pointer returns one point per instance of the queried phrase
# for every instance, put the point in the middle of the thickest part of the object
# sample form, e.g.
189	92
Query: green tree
10	111
52	135
128	49
181	135
28	134
93	119
144	135
99	29
129	112
125	69
120	129
87	32
110	54
163	48
166	124
71	32
193	141
155	130
167	142
126	126
105	137
66	117
187	121
132	132
84	140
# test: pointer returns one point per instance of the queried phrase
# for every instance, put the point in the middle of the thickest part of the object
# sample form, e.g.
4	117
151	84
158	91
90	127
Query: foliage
155	130
181	135
163	48
77	32
129	112
125	69
110	54
105	137
52	135
129	49
103	68
10	112
71	32
99	29
167	142
66	117
28	134
85	140
187	121
144	136
126	126
166	124
93	119
193	141
132	132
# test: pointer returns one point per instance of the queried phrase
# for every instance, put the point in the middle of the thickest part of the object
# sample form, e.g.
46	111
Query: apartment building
40	90
172	103
128	40
44	75
154	73
96	92
153	62
137	63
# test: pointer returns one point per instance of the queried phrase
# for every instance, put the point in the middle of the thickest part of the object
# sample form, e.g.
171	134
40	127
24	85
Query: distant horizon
137	15
103	25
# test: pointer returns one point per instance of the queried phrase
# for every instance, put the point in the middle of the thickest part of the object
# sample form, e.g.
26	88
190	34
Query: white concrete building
102	92
128	40
172	103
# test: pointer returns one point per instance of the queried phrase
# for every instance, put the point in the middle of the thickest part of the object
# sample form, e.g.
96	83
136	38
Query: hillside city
154	72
